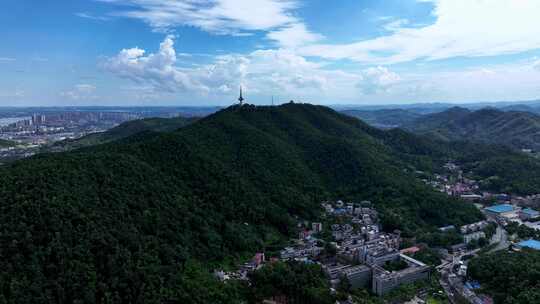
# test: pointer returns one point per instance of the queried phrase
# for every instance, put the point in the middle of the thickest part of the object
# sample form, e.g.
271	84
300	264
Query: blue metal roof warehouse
530	211
534	244
500	208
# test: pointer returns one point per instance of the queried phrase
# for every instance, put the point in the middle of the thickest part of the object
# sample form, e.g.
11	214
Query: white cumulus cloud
536	65
80	92
294	35
216	16
13	93
262	71
283	72
91	16
158	70
468	28
377	79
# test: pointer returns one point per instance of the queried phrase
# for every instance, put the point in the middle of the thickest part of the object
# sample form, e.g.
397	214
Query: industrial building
358	276
532	244
528	213
504	210
384	281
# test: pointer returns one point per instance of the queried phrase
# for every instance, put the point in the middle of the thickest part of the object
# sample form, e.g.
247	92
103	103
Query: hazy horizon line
528	101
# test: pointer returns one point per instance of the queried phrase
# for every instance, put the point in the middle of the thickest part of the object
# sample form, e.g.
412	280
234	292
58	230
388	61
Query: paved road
447	290
452	285
501	238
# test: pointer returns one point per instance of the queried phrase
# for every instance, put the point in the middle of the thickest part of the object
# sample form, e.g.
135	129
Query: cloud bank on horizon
193	52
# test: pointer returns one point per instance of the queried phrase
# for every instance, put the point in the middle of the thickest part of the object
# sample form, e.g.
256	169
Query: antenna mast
241	99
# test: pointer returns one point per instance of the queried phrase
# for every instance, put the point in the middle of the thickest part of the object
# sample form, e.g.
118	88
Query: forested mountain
516	129
384	118
521	108
124	130
143	219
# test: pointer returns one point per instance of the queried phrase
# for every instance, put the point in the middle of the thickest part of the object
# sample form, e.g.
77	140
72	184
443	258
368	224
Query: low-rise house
533	225
221	275
305	251
328	208
502	197
458	247
316	227
473	227
410	250
258	259
304	234
471	197
467	238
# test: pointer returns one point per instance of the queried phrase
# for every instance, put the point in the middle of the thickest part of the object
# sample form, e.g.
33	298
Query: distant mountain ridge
404	117
520	130
434	107
384	118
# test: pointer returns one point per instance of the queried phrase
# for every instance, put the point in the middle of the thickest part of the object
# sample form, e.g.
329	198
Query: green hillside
124	130
143	219
516	129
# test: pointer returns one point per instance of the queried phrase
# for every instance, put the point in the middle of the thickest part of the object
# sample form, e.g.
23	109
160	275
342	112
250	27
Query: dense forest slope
516	129
127	220
510	277
124	130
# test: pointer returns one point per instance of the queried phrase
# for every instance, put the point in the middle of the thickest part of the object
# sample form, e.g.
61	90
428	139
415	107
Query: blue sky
198	52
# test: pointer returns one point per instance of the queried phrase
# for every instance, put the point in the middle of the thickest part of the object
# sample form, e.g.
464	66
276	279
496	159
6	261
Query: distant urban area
25	131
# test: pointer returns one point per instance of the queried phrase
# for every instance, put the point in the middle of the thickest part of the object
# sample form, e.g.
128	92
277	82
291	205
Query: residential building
316	227
471	197
259	258
473	227
364	244
458	247
467	238
411	250
358	276
384	281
